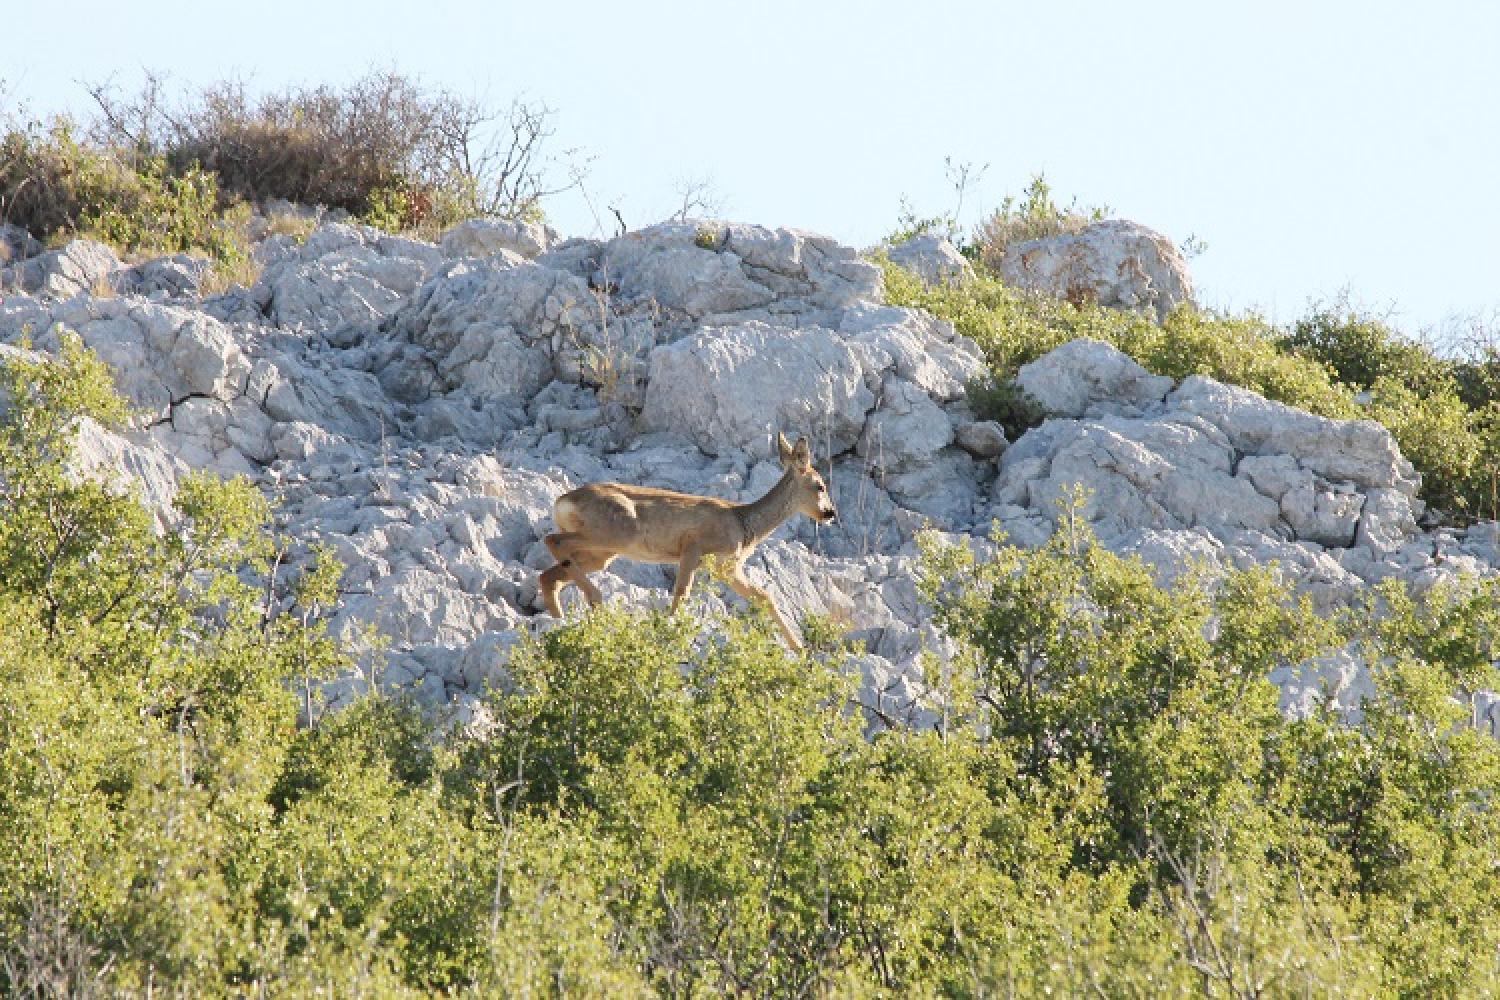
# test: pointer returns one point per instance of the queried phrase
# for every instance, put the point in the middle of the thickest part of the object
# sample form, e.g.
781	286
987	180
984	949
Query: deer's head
812	494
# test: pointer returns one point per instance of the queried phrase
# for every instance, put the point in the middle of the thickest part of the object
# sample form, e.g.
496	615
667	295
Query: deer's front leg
741	585
686	567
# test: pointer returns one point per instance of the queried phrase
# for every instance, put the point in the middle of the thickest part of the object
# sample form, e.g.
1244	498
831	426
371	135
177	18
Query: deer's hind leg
574	563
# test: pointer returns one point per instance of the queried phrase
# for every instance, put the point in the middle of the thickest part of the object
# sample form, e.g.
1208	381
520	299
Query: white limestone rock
907	429
922	350
1389	521
1316	510
158	354
1114	263
492	327
1139	474
1338	681
704	270
1089	378
1360	451
1175	553
130	462
667	267
81	267
483	237
981	438
733	387
343	281
933	259
948	490
178	276
16	244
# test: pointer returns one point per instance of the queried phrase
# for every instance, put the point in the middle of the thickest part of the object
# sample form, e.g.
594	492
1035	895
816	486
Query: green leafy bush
1111	804
152	176
1262	855
383	148
57	187
1360	349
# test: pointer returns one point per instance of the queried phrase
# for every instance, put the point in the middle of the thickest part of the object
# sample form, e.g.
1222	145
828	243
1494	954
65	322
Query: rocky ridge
419	407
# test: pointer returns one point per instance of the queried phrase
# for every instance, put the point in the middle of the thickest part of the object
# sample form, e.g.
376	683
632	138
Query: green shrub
44	174
1007	403
1237	351
316	146
153	176
383	148
1360	349
1261	854
57	187
1442	411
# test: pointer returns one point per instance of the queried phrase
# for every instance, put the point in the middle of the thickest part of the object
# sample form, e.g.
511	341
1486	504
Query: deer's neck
761	517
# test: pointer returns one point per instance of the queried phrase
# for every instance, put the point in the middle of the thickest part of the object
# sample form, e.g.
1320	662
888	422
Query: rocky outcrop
1213	471
16	244
343	279
931	258
484	237
175	277
1088	378
81	267
1113	263
419	408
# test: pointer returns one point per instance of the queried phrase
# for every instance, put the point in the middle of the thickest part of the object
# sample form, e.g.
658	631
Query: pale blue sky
1314	146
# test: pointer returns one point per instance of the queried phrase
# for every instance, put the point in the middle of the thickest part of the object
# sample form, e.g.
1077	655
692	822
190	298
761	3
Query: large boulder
920	349
702	270
1155	474
1251	479
674	267
906	430
1089	378
931	258
16	244
178	276
81	267
1114	263
343	281
1361	451
491	326
732	387
127	462
160	354
483	237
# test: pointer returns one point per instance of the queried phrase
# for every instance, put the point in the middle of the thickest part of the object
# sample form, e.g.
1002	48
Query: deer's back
646	523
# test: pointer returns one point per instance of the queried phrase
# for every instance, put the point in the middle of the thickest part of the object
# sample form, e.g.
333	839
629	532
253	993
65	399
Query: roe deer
601	521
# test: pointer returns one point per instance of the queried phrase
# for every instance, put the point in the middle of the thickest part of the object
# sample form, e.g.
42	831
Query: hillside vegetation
1111	803
1108	800
156	173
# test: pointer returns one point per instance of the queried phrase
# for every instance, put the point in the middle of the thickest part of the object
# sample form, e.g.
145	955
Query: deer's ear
802	454
784	449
